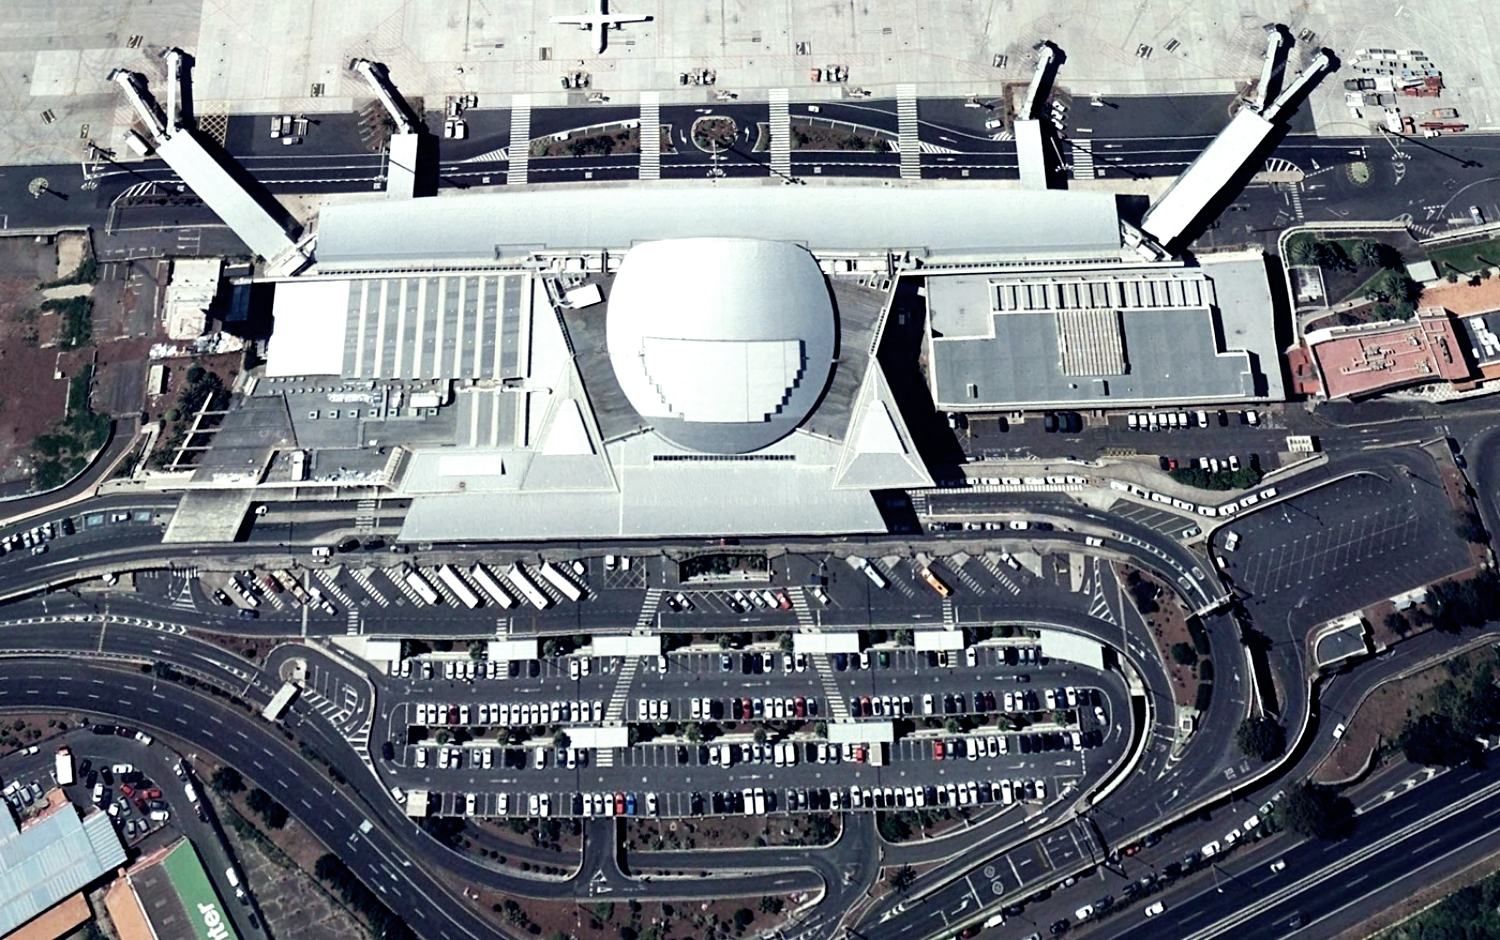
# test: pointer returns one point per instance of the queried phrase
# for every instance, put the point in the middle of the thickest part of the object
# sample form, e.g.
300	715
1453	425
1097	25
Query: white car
1210	850
1156	908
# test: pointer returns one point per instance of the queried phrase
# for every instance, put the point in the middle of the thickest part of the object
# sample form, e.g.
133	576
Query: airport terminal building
686	361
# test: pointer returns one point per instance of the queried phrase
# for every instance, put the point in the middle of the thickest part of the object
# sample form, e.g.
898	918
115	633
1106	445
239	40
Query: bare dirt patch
729	832
1378	721
608	920
824	135
1168	623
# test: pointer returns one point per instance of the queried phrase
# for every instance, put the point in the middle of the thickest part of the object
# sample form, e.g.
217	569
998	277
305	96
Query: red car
619	804
800	707
937	750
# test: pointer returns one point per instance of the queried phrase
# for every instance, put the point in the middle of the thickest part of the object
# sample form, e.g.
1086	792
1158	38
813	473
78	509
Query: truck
280	701
420	585
490	585
64	767
454	583
935	582
562	582
877	753
521	579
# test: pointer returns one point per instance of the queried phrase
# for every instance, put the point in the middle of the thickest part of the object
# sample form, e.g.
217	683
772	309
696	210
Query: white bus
416	582
518	576
64	768
876	578
456	584
562	582
491	586
279	701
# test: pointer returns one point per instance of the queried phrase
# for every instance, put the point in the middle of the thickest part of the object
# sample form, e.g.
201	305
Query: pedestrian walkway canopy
861	732
819	644
932	640
629	645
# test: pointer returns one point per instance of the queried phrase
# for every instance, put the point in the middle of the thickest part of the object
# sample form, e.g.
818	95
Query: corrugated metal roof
49	860
936	220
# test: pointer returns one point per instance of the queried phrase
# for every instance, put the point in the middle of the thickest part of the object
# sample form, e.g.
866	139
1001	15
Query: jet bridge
1227	157
1031	135
404	155
205	171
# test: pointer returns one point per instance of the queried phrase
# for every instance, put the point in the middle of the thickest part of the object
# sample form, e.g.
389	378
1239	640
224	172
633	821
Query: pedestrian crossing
906	126
800	606
1083	160
353	626
520	140
650	135
394	575
1296	194
838	709
781	134
614	711
950	613
649	605
364	515
936	148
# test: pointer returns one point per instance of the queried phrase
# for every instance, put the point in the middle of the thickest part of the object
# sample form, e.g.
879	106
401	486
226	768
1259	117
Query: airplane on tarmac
601	23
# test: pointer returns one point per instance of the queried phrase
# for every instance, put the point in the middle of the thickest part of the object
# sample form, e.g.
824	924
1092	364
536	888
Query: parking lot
1341	547
1008	728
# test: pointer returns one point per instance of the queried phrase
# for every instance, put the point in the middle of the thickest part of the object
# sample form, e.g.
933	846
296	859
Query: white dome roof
724	344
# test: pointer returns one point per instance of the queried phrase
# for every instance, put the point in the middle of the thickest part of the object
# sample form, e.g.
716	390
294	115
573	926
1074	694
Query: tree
1395	289
1183	654
771	905
275	815
1261	738
744	917
1317	812
760	735
258	800
902	879
693	732
1435	740
1371	253
227	780
1398	623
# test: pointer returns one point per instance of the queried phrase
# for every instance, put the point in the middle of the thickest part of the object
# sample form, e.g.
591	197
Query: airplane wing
582	22
615	19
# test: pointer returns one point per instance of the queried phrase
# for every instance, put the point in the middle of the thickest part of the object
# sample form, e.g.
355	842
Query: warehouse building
51	859
167	895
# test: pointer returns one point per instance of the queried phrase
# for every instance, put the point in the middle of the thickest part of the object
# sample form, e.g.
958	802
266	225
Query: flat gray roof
1206	339
956	220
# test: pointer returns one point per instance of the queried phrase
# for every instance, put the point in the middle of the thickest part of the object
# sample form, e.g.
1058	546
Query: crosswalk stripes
520	140
901	585
950	613
781	133
919	503
361	577
992	565
650	135
800	607
352	618
649	605
490	156
604	757
906	126
936	148
364	515
614	711
1083	159
1296	192
393	575
328	582
966	579
838	709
